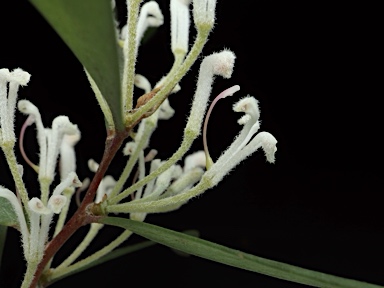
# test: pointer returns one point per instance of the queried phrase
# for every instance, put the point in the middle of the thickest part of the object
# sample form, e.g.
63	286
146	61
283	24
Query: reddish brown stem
82	216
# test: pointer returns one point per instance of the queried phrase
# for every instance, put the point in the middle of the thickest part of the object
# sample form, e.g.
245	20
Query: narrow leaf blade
235	258
87	27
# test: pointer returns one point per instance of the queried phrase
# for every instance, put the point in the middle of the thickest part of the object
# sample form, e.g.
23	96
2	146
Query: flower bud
180	22
37	206
56	203
215	64
204	12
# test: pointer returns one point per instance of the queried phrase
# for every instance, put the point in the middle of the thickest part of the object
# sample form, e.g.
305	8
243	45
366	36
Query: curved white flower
243	145
9	86
49	140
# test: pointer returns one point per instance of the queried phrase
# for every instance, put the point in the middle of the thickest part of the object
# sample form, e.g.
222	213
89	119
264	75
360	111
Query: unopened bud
37	206
56	203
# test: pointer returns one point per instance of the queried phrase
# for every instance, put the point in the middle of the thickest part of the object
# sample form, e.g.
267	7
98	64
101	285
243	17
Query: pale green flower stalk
166	185
130	54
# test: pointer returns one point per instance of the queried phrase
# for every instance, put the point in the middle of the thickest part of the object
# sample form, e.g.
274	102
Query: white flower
41	215
56	203
204	12
243	146
107	183
250	120
194	160
67	154
49	140
142	83
150	16
179	25
70	181
9	86
105	188
222	64
38	207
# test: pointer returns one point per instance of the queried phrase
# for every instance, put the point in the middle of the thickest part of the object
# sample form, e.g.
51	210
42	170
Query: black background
314	68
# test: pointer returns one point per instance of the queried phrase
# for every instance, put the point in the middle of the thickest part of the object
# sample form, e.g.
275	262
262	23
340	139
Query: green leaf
235	258
3	235
8	216
87	27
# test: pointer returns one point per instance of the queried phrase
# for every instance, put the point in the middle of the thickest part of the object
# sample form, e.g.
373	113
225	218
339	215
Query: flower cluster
51	141
166	185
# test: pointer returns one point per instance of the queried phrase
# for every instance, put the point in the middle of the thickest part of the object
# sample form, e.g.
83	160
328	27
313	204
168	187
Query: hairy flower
9	86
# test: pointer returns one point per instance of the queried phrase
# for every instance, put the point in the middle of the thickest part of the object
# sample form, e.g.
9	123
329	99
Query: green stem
44	187
12	163
184	147
29	274
161	205
62	272
179	57
148	129
201	39
130	54
93	231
